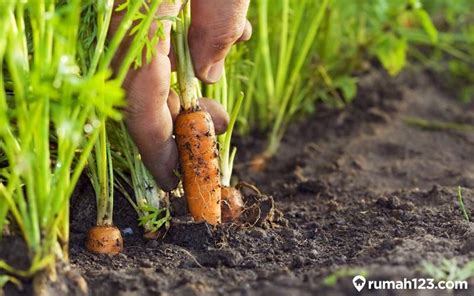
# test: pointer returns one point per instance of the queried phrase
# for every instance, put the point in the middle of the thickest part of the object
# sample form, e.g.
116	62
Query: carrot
151	235
104	240
195	134
232	204
259	162
197	146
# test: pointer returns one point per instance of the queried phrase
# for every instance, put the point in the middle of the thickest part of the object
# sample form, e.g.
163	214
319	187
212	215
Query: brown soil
358	189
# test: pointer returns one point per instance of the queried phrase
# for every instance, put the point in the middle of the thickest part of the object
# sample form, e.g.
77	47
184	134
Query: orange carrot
151	235
197	146
259	162
232	204
195	134
104	240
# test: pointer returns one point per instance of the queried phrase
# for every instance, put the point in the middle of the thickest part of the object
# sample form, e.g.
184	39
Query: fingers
218	114
247	32
173	104
148	117
167	8
151	106
150	123
215	26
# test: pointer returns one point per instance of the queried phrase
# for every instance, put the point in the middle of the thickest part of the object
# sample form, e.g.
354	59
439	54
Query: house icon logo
359	282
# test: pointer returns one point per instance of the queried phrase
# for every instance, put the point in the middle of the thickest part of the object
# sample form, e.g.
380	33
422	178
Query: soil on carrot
357	190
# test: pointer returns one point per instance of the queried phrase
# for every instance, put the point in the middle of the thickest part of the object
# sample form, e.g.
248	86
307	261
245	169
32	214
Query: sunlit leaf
427	24
391	52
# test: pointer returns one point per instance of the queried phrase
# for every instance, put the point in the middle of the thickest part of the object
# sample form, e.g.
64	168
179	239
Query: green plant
380	29
305	51
461	204
455	48
448	270
225	93
277	82
357	32
60	88
101	170
4	279
332	279
99	163
149	201
50	117
434	125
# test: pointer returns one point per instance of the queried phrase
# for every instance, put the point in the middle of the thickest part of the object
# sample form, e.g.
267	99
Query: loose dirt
357	190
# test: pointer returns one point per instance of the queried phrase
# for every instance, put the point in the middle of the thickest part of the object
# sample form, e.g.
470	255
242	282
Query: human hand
216	25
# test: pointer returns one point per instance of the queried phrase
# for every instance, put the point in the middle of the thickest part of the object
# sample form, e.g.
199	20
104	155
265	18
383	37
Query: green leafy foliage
138	19
148	199
304	52
280	52
427	24
332	279
461	204
448	270
452	56
45	92
4	279
55	80
154	218
391	51
225	93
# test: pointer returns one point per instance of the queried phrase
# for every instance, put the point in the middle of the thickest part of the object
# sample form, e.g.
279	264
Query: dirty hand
216	25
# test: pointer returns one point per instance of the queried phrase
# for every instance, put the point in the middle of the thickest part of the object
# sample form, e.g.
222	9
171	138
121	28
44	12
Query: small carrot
103	237
259	162
195	135
199	159
104	240
232	203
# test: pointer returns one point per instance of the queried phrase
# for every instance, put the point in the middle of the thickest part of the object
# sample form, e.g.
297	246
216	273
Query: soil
351	191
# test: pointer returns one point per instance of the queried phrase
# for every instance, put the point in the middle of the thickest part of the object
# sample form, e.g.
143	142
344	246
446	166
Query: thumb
215	26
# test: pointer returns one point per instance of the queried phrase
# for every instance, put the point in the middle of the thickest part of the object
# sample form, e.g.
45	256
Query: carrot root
151	235
232	204
259	162
104	240
199	157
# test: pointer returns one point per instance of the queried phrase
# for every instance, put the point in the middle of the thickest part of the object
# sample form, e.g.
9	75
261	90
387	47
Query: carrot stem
186	77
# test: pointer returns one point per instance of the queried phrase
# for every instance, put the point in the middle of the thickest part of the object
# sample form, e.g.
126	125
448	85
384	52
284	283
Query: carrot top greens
56	93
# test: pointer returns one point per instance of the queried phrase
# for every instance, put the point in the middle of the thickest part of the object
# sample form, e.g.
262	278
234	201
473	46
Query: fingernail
215	72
